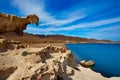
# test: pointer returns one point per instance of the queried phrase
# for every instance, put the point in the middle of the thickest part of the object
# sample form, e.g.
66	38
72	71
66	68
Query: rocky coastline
21	62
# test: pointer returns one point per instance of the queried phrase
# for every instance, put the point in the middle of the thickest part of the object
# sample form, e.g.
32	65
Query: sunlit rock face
89	63
45	63
12	23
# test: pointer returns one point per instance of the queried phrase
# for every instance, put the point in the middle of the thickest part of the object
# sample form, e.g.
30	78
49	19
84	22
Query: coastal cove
106	56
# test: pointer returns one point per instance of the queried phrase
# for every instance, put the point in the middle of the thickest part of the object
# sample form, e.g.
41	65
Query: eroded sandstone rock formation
12	23
6	44
46	63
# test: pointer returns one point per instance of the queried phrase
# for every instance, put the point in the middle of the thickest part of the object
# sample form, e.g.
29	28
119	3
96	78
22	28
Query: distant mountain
30	38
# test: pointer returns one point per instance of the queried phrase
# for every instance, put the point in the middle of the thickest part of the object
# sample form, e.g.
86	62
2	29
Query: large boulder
87	63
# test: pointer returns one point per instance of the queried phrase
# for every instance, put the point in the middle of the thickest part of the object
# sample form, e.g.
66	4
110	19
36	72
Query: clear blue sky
98	19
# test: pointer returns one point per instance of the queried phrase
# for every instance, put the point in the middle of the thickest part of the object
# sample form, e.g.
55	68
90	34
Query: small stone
87	63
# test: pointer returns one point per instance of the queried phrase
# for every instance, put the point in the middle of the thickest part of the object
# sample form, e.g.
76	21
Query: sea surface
106	56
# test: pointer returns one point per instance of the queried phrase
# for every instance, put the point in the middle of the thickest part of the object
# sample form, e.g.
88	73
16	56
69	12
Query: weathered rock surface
47	63
6	44
12	23
5	73
87	63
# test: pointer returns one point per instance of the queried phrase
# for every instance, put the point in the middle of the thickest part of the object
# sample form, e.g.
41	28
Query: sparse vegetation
25	53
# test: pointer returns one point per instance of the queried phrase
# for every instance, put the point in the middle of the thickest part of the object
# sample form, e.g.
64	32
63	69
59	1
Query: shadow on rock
7	73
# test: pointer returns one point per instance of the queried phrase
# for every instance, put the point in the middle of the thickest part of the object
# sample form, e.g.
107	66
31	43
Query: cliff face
46	63
36	64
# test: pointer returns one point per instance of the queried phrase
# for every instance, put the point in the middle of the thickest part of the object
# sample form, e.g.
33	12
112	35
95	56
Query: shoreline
65	47
55	58
52	59
112	77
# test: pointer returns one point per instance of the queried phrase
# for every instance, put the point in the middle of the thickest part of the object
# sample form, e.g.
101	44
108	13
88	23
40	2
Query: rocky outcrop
89	63
49	63
46	63
12	23
21	46
7	72
6	44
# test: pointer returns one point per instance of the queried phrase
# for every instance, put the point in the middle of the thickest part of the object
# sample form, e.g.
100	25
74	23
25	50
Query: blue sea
106	56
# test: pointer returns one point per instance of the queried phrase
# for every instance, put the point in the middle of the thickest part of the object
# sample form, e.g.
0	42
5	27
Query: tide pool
106	56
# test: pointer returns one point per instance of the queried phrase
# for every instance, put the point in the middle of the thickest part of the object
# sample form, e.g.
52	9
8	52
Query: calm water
106	56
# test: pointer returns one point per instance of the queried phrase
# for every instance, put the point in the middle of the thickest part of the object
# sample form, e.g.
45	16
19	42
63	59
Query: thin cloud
87	25
78	26
38	8
33	6
110	32
81	16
